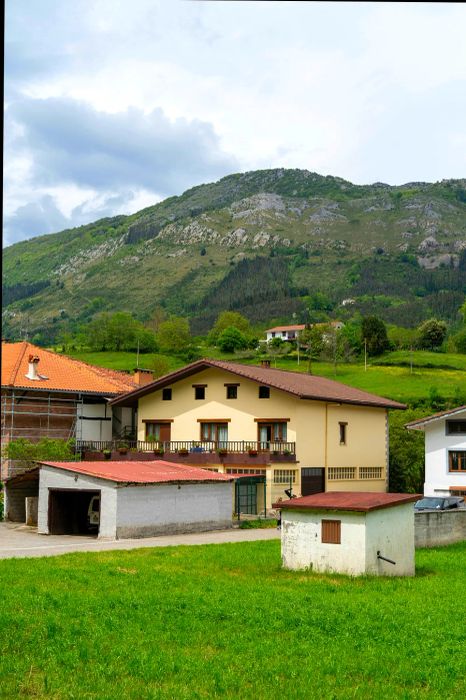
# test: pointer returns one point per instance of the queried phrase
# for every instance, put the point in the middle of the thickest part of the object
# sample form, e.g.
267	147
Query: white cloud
366	91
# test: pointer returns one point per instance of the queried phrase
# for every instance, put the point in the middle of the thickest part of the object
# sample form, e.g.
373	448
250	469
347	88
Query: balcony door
272	433
216	433
158	432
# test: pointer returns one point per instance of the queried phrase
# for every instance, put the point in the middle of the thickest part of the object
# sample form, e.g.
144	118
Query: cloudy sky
112	105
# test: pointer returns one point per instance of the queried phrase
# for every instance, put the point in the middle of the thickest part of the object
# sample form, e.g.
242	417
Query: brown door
312	480
165	431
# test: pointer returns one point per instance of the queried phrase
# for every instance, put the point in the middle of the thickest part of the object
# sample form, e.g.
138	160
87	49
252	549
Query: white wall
388	530
438	479
164	508
52	478
91	428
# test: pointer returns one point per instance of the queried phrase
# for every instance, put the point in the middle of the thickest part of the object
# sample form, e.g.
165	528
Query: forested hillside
270	244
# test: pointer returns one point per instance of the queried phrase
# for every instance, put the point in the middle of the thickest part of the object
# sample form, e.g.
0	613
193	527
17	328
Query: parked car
93	513
439	503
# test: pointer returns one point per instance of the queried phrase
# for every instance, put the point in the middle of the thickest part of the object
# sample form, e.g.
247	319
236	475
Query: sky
114	105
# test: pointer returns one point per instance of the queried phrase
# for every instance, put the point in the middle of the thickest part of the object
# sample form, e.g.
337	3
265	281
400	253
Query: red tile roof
132	472
304	386
421	422
61	372
362	501
300	327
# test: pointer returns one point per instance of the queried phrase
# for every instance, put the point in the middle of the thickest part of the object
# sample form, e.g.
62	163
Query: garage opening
74	512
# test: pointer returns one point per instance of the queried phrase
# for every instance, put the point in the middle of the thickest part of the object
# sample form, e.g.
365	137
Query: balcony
190	451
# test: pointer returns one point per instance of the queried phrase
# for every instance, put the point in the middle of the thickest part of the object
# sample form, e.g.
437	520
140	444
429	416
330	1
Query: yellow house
297	431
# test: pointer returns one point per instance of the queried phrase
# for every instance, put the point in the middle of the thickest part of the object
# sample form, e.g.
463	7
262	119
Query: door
312	480
247	498
165	432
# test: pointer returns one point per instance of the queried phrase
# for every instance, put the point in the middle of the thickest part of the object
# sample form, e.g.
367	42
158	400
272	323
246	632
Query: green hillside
261	243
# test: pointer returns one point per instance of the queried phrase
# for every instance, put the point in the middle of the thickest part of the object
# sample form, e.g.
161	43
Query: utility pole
365	355
297	344
137	357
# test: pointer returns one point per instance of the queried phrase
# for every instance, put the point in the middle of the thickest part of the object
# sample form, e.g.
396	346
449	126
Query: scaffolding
32	417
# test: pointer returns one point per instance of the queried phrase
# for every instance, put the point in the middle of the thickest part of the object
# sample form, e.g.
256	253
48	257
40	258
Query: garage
126	499
72	512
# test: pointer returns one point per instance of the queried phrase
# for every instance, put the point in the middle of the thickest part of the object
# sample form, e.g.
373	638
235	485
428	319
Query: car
439	503
93	514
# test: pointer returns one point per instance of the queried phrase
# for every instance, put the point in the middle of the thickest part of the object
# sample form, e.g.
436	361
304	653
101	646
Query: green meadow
401	376
225	621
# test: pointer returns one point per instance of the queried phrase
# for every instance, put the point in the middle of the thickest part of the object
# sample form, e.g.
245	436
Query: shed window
331	531
166	395
264	392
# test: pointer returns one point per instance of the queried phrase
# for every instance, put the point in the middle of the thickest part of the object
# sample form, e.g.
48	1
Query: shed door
312	480
247	497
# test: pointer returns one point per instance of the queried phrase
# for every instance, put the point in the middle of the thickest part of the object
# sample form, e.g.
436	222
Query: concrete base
171	529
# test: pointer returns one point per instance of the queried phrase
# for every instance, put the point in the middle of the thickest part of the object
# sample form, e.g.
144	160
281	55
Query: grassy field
394	379
224	621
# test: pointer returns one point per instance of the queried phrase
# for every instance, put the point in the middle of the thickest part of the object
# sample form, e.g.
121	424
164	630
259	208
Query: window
284	476
455	427
166	394
457	461
341	473
331	531
158	431
232	391
264	392
234	470
272	432
343	427
199	392
214	432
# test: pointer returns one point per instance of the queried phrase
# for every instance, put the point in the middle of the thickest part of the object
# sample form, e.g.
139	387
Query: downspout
325	445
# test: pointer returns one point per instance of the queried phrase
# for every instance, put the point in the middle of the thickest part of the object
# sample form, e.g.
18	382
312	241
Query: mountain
262	243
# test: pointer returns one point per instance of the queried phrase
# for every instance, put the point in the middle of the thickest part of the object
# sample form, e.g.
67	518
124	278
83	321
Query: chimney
143	376
32	372
265	363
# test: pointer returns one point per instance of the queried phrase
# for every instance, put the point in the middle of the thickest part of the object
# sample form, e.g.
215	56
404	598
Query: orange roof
362	501
59	372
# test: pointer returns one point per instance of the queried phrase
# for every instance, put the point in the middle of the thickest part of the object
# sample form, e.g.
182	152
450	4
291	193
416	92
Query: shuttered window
331	531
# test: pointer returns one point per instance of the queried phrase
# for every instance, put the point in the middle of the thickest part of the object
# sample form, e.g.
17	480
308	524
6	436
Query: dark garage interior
68	512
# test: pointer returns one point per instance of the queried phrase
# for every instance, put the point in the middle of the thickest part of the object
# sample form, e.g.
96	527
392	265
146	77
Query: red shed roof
59	372
129	472
362	501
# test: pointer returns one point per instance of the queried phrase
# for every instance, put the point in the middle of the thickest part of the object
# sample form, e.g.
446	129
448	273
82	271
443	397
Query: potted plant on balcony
183	451
252	452
107	454
286	453
122	447
222	451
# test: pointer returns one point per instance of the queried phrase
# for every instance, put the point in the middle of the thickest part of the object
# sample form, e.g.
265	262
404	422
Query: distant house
284	332
291	429
45	394
445	452
292	332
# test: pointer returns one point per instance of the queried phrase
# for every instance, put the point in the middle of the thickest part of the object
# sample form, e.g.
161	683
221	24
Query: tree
160	366
406	456
228	319
232	339
174	335
374	333
460	341
278	348
431	334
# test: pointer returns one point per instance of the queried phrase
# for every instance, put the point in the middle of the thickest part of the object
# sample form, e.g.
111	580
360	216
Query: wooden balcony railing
189	446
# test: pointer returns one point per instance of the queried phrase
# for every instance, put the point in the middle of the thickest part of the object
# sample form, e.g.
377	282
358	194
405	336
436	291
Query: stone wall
437	528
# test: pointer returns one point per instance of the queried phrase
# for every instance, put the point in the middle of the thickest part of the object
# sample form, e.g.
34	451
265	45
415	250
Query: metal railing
189	446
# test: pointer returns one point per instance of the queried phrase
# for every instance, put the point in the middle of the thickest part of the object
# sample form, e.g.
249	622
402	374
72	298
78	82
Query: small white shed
134	499
349	532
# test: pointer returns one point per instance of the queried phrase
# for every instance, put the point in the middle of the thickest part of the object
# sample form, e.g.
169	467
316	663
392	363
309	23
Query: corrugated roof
304	386
62	373
421	422
362	501
133	472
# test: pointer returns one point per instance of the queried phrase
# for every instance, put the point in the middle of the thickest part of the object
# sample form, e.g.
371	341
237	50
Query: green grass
394	379
225	621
